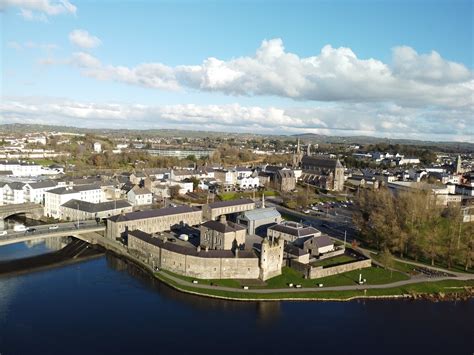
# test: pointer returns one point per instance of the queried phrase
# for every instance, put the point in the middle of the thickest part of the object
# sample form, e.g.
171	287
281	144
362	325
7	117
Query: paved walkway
182	282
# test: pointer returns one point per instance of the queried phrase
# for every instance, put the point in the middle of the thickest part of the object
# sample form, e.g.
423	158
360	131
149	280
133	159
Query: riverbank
75	252
436	290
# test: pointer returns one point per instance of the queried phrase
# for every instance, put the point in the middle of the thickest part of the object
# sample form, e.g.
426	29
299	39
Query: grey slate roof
73	189
297	232
222	227
96	207
320	162
43	184
219	204
153	213
190	250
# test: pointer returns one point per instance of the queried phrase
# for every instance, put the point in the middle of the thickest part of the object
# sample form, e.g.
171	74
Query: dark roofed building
291	231
323	172
152	221
222	235
83	210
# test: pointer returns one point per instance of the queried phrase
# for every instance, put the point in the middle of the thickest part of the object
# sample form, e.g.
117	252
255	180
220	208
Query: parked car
78	224
306	211
3	232
53	227
30	230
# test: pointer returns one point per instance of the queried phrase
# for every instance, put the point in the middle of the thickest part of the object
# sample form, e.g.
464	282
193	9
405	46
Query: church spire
308	150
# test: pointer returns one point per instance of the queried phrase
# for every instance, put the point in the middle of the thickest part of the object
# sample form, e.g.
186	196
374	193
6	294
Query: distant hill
305	137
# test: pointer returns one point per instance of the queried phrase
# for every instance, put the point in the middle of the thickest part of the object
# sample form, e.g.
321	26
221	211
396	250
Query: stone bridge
68	229
31	210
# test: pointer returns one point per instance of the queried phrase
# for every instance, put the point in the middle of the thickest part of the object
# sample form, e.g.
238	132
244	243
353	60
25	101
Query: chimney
198	249
223	219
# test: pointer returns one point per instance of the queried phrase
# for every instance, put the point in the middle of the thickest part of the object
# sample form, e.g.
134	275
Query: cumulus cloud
383	120
84	39
335	74
39	9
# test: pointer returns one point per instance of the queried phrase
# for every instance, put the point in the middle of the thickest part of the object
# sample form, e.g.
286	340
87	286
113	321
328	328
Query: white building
13	193
97	147
139	196
54	198
21	168
34	191
248	182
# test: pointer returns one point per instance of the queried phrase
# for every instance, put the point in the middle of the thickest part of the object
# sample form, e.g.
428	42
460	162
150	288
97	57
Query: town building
258	220
54	198
97	147
76	210
222	235
325	173
213	210
291	231
152	221
139	196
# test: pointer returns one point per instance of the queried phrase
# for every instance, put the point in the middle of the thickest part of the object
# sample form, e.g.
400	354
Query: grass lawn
373	275
408	268
232	195
447	286
337	260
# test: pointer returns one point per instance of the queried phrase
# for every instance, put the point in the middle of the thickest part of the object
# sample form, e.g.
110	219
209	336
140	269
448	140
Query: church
320	171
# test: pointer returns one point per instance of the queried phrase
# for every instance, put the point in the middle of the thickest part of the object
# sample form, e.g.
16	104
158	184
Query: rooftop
219	204
153	213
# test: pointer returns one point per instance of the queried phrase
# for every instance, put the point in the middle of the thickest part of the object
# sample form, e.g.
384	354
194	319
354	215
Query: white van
19	228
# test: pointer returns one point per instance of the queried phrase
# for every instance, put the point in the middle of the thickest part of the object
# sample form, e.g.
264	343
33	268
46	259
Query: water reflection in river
108	305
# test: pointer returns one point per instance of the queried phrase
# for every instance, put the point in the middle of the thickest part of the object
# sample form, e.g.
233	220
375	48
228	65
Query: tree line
413	224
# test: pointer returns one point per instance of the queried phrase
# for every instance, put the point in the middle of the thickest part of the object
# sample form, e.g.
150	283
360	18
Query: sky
395	69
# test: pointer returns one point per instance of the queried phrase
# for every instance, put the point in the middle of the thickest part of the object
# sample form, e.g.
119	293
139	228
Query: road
44	229
333	225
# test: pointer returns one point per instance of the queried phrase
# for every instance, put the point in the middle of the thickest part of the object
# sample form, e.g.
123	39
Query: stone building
152	221
192	261
291	231
216	209
222	235
284	180
271	258
325	173
257	221
315	245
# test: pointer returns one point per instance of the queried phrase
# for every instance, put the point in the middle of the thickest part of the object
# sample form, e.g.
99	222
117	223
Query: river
106	305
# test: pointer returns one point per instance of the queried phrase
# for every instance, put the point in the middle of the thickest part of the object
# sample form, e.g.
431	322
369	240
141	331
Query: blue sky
332	67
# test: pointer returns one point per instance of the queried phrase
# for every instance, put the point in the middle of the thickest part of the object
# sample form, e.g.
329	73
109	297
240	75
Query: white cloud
32	45
334	75
383	120
39	9
83	39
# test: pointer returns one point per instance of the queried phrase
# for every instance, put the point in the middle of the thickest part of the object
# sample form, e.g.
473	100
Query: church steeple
298	147
458	165
308	150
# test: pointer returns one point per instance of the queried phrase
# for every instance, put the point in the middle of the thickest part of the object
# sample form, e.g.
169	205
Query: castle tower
308	150
271	258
